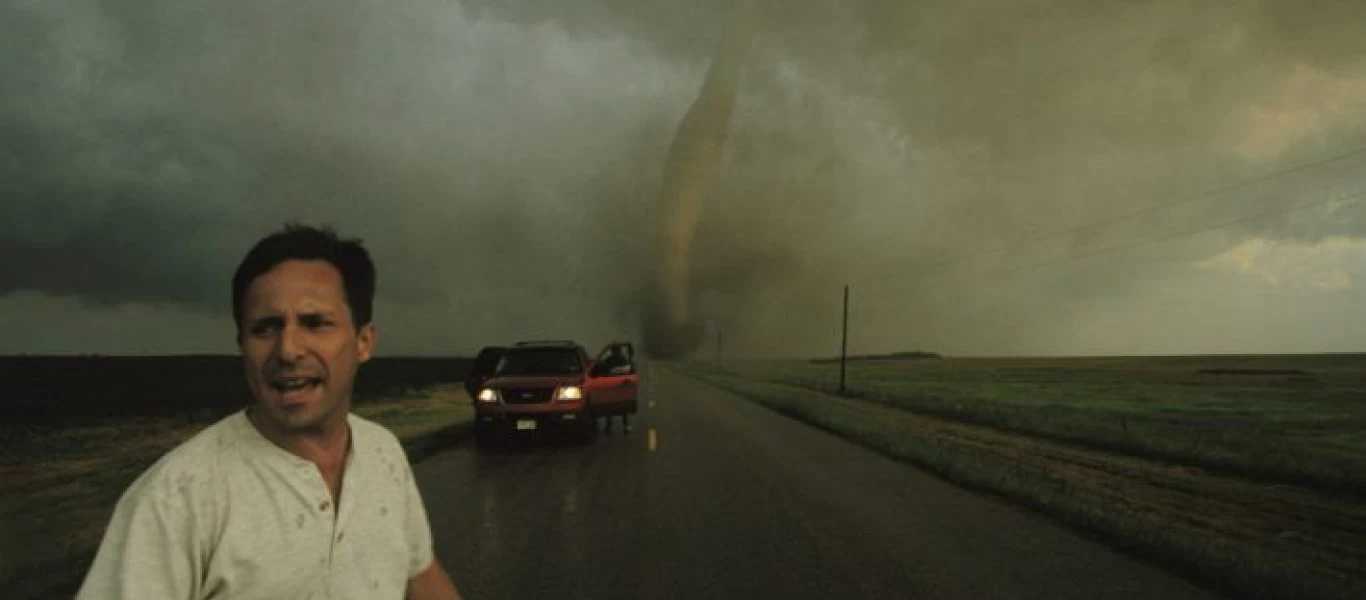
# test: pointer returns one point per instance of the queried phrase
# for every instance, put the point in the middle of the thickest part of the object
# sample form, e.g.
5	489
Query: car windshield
539	361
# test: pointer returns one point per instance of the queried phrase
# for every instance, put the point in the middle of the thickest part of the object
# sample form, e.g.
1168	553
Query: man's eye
262	329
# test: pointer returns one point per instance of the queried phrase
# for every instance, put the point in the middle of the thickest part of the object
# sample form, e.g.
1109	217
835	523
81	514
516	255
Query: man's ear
365	342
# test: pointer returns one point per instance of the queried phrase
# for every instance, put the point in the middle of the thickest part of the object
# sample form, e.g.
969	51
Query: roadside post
844	338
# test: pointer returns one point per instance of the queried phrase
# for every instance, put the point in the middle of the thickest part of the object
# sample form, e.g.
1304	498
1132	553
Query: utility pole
844	338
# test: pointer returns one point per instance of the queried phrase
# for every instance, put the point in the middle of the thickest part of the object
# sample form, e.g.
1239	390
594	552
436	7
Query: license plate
526	424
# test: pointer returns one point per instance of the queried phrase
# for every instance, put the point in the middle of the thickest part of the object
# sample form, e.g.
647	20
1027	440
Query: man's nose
290	344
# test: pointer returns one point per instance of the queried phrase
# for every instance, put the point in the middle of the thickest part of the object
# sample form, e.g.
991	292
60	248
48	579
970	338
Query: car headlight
487	395
572	392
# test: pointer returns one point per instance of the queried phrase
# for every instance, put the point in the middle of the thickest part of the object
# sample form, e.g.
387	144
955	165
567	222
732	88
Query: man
617	361
293	497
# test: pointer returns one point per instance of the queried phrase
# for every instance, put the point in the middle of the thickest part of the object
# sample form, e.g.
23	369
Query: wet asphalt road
734	501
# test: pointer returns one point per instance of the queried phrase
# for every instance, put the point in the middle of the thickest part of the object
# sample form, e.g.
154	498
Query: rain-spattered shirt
230	515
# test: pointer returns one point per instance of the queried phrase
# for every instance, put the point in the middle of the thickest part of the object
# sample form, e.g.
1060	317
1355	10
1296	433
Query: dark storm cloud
497	153
129	251
147	146
1052	100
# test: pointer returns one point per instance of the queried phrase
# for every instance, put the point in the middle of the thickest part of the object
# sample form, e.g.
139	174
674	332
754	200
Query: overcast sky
992	178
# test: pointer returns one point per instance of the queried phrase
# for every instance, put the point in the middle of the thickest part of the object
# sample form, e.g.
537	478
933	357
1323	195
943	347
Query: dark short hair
301	242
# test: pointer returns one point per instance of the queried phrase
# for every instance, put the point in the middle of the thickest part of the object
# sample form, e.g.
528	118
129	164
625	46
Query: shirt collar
251	436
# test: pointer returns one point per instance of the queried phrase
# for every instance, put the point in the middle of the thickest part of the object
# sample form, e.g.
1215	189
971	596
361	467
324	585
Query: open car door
482	368
613	380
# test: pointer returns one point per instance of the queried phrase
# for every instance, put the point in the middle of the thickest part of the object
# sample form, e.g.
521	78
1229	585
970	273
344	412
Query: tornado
671	328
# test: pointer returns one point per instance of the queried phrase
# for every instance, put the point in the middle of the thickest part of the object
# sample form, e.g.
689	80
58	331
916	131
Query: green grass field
61	484
1298	419
1245	473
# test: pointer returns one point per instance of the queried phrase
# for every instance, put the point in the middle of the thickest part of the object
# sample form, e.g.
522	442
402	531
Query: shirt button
340	536
324	506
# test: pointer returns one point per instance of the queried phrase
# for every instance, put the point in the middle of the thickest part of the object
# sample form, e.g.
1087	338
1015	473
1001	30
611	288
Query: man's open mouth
296	384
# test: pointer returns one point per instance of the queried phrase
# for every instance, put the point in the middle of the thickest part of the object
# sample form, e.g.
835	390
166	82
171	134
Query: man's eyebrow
268	320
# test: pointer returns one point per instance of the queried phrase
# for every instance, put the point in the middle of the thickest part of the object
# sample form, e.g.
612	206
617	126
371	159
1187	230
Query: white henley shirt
230	515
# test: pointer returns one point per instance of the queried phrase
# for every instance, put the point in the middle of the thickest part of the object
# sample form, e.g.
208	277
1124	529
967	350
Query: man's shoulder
193	464
370	433
210	442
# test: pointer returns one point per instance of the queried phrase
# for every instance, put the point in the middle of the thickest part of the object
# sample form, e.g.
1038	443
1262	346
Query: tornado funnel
672	329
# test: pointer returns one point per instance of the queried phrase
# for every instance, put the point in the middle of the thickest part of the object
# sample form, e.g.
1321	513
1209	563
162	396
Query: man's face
299	346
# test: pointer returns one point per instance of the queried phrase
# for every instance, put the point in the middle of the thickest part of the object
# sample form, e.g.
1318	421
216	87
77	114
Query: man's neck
326	446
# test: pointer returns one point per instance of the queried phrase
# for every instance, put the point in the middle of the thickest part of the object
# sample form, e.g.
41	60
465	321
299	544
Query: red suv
536	385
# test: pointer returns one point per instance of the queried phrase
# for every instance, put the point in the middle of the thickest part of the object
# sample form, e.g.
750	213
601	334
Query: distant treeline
65	390
913	354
